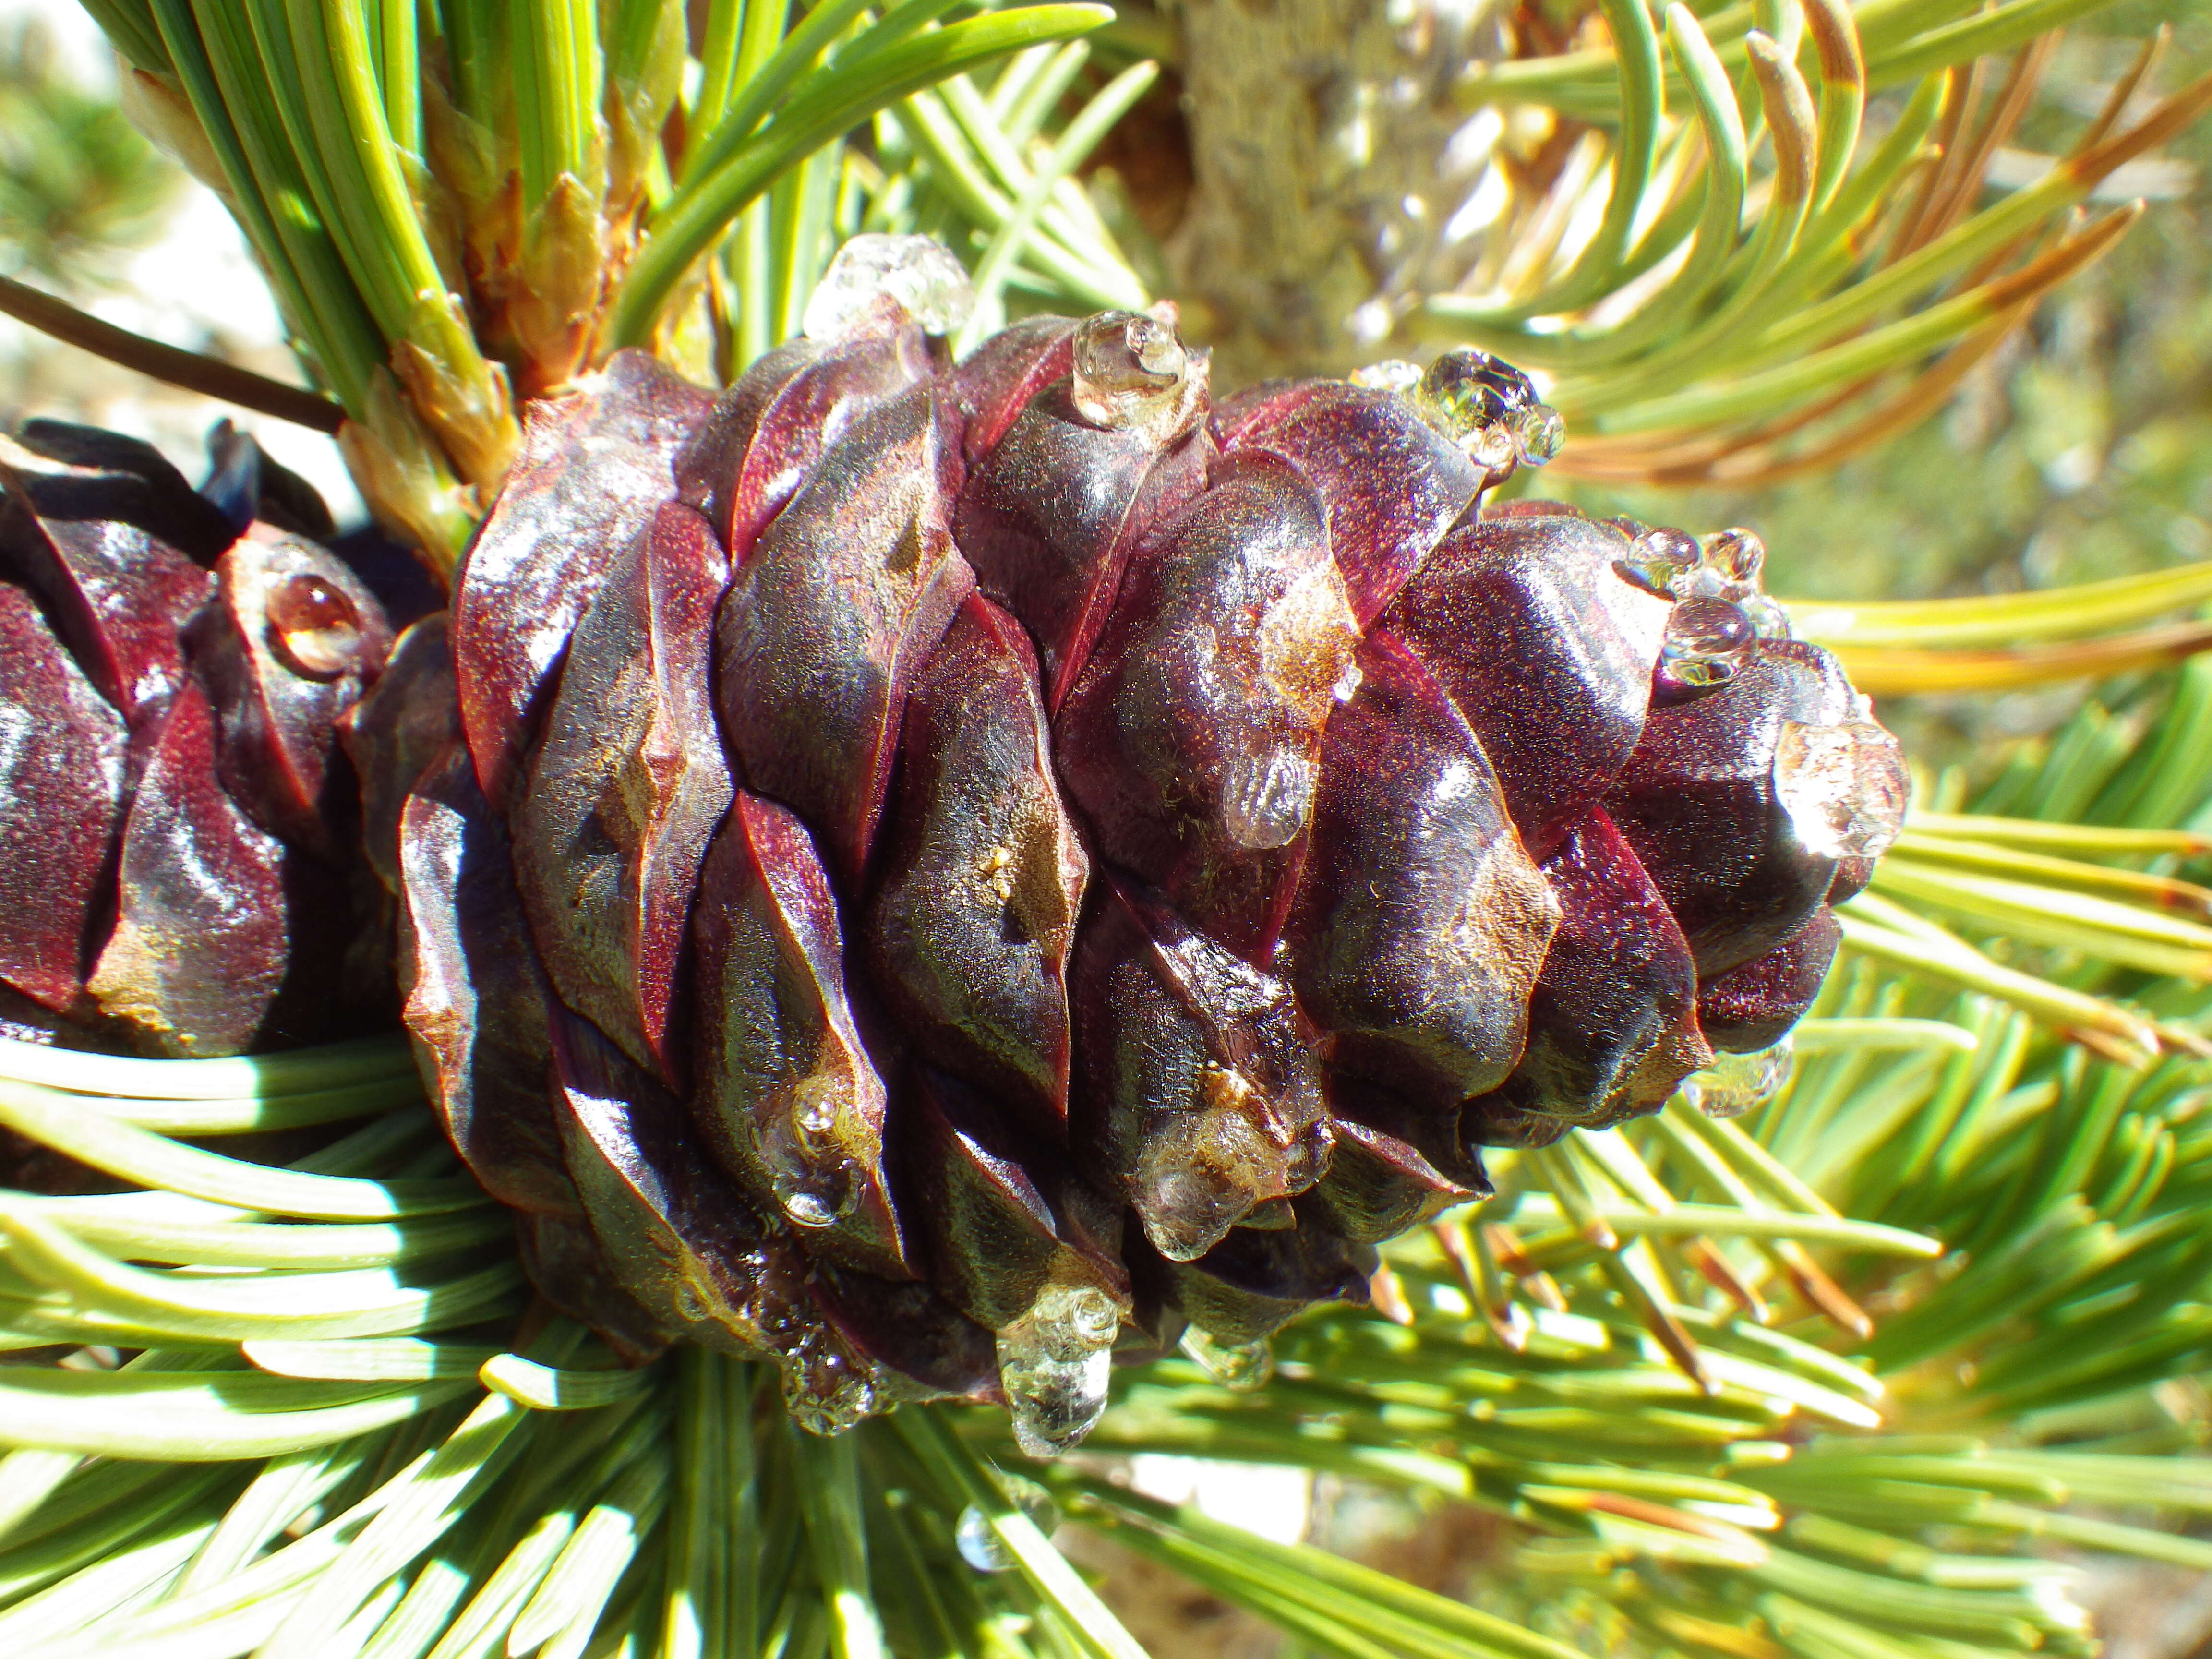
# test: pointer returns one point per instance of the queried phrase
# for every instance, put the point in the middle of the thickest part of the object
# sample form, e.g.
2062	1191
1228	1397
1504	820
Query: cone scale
932	873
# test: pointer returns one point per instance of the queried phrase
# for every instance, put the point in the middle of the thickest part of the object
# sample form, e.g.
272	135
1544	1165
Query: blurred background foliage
2081	449
79	187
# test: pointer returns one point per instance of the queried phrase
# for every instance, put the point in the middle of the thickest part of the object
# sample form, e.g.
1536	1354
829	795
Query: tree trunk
1321	135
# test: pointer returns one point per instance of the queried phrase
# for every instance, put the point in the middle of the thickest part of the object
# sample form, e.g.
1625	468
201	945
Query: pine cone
177	828
930	872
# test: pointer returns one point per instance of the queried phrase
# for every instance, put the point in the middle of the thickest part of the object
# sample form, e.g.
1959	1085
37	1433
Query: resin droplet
920	272
1493	450
815	1187
1131	374
1055	1363
1538	432
1395	374
1844	788
1736	1083
1465	391
1657	558
817	1111
313	627
1738	555
1232	1364
1054	1403
1489	409
824	1390
1268	796
809	1210
979	1546
1088	1317
1768	619
813	1192
1704	581
1707	643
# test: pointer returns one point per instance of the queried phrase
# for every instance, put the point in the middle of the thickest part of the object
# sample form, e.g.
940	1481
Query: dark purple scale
1420	923
1852	875
1698	803
826	625
1393	484
1494	1121
1547	650
117	594
1002	1216
1395	1165
1266	401
923	1347
286	649
478	1002
82	473
595	466
201	950
767	432
1612	1022
1754	1005
392	735
707	466
626	788
245	483
1052	510
787	1096
1197	1091
63	756
974	912
567	1266
997	380
1191	744
1252	1284
679	1235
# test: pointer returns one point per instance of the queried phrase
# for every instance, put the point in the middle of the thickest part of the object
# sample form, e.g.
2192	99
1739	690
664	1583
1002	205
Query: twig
208	376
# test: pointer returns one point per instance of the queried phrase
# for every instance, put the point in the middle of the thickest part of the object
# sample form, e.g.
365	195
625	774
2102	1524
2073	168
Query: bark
1321	132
